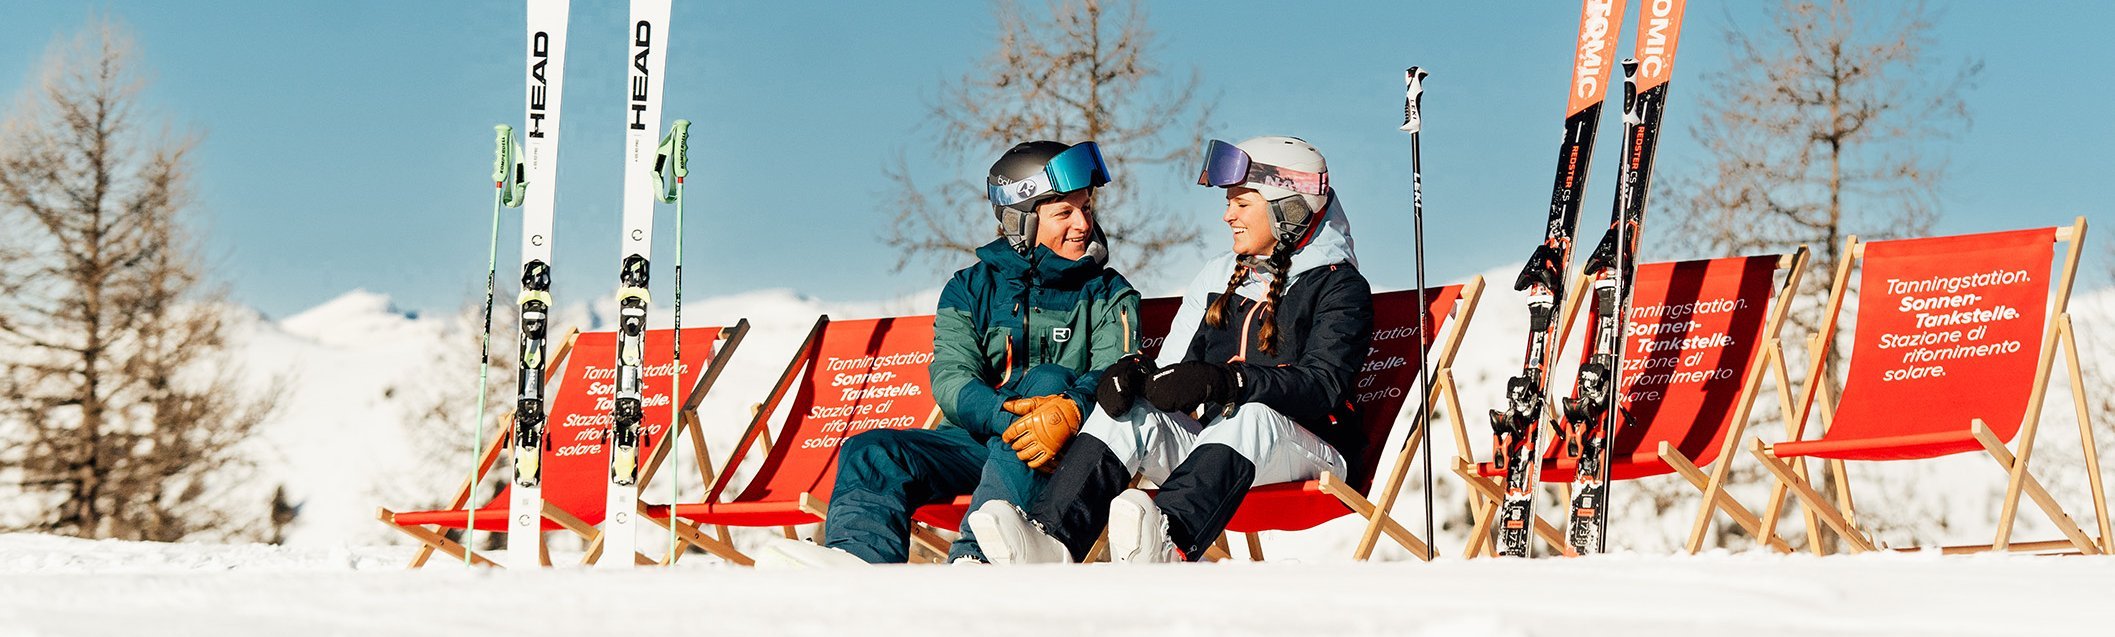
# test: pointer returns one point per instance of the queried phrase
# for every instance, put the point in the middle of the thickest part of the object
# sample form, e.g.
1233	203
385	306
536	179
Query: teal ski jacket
1009	313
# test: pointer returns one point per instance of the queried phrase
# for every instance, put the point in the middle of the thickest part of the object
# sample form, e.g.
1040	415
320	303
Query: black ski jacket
1325	324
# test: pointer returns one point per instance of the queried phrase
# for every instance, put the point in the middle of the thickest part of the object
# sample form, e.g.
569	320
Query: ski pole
675	151
506	192
1413	121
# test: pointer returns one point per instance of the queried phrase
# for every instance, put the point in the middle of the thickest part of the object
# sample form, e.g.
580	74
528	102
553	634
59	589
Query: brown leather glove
1045	425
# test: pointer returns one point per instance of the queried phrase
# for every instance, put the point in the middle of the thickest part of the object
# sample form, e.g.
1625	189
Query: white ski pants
1154	442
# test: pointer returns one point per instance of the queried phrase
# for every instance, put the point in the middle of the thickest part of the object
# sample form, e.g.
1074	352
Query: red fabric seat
1929	416
1905	447
1637	464
886	357
743	514
1692	417
575	476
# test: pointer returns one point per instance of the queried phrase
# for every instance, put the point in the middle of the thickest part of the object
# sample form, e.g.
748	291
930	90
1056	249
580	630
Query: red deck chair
576	469
1954	344
1689	401
1384	384
847	377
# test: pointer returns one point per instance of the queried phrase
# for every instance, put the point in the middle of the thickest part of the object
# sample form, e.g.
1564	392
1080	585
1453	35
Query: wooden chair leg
1715	499
2033	488
1255	546
1374	516
1481	508
1218	551
2085	432
1808	497
432	539
692	535
1100	551
926	538
1549	534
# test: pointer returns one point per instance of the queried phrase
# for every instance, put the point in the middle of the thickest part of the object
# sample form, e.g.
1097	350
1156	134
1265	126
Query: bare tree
1817	128
1071	71
117	410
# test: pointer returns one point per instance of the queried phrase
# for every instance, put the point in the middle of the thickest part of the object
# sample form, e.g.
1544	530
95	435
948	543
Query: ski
649	46
1517	430
539	157
1597	412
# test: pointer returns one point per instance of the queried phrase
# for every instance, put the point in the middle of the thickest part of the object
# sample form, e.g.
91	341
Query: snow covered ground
61	587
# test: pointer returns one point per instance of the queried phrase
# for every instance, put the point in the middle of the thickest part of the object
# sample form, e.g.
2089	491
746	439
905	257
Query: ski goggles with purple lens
1226	165
1078	167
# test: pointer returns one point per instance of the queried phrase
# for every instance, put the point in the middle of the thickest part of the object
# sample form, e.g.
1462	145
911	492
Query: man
1019	344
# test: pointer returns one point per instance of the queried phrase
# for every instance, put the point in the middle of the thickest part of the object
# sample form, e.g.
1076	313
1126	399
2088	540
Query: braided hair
1215	314
1280	260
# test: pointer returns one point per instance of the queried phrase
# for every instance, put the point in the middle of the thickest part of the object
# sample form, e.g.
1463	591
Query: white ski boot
792	553
1138	532
1007	536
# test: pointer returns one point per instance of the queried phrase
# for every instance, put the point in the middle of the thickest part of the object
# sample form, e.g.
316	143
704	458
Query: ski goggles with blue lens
1226	165
1078	167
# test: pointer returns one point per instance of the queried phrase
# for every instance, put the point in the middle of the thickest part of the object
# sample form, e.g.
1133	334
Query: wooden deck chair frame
721	543
1379	515
1488	494
687	421
433	539
1840	518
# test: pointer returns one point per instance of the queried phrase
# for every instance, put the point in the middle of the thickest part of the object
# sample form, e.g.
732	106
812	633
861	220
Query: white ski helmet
1287	171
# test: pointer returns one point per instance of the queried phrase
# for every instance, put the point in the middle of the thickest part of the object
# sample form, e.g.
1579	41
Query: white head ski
546	85
647	35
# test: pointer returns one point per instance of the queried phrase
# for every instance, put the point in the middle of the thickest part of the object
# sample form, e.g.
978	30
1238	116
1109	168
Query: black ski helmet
1033	172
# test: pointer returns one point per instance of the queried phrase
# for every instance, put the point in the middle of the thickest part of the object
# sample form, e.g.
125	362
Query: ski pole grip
1413	98
681	132
502	155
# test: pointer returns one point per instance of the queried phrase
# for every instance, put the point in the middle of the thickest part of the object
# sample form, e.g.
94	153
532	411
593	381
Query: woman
1252	387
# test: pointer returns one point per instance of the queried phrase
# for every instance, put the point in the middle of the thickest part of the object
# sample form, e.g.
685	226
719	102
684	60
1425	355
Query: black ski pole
1413	103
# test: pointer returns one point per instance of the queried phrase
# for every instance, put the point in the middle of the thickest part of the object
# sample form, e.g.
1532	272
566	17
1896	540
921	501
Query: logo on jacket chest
1061	334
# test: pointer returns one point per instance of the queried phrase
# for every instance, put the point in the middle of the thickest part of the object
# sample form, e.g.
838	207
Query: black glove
1121	383
1183	386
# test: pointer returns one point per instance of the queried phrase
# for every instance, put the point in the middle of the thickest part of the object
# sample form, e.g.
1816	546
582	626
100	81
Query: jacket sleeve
1182	343
959	370
1342	329
1115	330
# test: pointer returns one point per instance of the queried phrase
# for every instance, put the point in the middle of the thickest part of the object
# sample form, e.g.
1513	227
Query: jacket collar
1040	266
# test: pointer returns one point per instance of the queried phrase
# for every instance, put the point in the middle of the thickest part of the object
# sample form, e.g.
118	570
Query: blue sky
347	145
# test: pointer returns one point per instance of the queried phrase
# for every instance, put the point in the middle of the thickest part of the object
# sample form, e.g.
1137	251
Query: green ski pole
675	159
507	190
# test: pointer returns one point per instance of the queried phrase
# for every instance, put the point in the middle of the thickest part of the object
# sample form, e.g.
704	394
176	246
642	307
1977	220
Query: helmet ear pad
1292	221
1018	226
